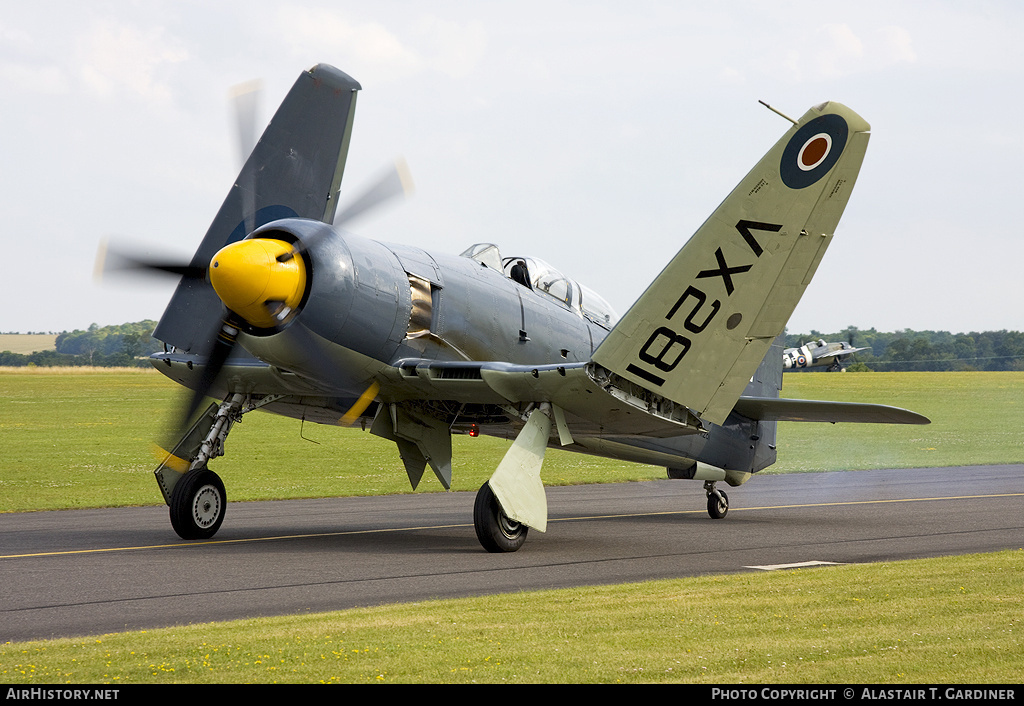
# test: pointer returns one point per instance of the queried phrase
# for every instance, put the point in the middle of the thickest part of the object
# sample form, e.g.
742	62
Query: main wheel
495	530
197	504
718	504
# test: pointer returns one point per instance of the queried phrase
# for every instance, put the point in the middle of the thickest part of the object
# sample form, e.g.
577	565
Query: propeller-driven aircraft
281	310
818	354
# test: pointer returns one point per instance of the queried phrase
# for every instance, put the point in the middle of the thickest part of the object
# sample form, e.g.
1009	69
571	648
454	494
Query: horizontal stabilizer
783	410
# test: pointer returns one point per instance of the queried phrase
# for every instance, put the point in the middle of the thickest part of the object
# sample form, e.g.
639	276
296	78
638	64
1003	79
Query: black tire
496	532
197	504
718	504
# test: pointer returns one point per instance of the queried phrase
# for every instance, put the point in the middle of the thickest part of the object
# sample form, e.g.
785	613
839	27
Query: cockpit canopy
539	276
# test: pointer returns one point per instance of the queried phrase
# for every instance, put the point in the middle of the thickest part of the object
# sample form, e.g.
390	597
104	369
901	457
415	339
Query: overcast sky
595	135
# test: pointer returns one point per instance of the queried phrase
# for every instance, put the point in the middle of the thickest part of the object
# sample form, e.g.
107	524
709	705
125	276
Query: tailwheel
197	504
718	501
495	530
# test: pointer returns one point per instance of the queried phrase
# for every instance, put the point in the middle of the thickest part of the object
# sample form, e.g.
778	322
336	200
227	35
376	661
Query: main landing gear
718	501
197	504
495	530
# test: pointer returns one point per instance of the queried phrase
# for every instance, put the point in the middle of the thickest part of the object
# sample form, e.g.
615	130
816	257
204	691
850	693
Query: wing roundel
813	151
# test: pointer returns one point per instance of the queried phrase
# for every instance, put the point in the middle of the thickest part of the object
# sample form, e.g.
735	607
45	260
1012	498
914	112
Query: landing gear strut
494	529
195	494
718	501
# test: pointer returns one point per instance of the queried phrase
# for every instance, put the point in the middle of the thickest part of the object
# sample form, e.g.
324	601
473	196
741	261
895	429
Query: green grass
932	621
85	439
977	418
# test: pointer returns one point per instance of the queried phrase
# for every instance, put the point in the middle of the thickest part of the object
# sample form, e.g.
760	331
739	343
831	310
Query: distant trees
926	350
133	339
130	344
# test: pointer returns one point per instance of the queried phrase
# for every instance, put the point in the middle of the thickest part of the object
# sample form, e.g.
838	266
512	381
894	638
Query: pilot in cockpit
520	274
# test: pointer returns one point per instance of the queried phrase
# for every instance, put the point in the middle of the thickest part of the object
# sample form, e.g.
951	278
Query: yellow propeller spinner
253	283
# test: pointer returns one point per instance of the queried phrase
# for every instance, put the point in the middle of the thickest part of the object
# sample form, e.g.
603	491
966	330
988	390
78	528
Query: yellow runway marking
316	535
184	545
789	507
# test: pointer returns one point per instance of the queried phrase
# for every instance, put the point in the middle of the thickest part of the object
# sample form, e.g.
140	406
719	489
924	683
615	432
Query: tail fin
704	325
294	171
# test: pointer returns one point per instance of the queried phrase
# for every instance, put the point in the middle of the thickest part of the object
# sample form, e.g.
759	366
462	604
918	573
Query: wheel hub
206	506
509	527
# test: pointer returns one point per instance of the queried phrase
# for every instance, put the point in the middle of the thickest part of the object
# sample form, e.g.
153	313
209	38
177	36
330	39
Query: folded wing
700	330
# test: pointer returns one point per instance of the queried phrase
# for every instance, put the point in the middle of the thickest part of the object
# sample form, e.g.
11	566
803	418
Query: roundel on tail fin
813	151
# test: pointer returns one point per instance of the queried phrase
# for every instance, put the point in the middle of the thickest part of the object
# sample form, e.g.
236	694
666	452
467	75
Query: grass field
977	418
82	439
25	343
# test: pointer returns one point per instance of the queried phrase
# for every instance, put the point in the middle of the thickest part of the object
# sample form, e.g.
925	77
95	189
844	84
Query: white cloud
841	51
24	66
115	56
33	78
896	45
325	34
836	51
14	38
452	48
404	48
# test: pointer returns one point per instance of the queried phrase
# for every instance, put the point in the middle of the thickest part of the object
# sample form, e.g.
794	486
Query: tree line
131	344
924	350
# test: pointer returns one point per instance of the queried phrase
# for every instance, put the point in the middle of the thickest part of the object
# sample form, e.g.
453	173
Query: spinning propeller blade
110	261
265	309
395	182
245	100
360	406
227	336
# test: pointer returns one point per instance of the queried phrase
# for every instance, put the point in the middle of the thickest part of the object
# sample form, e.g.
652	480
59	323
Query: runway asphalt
89	572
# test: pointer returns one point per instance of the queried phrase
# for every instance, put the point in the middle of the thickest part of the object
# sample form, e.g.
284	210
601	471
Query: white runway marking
798	565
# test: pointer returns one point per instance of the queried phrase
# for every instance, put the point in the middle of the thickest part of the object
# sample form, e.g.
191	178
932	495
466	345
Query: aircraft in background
818	354
281	310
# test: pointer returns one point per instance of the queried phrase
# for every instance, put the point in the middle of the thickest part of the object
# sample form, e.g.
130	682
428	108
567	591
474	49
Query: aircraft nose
251	282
